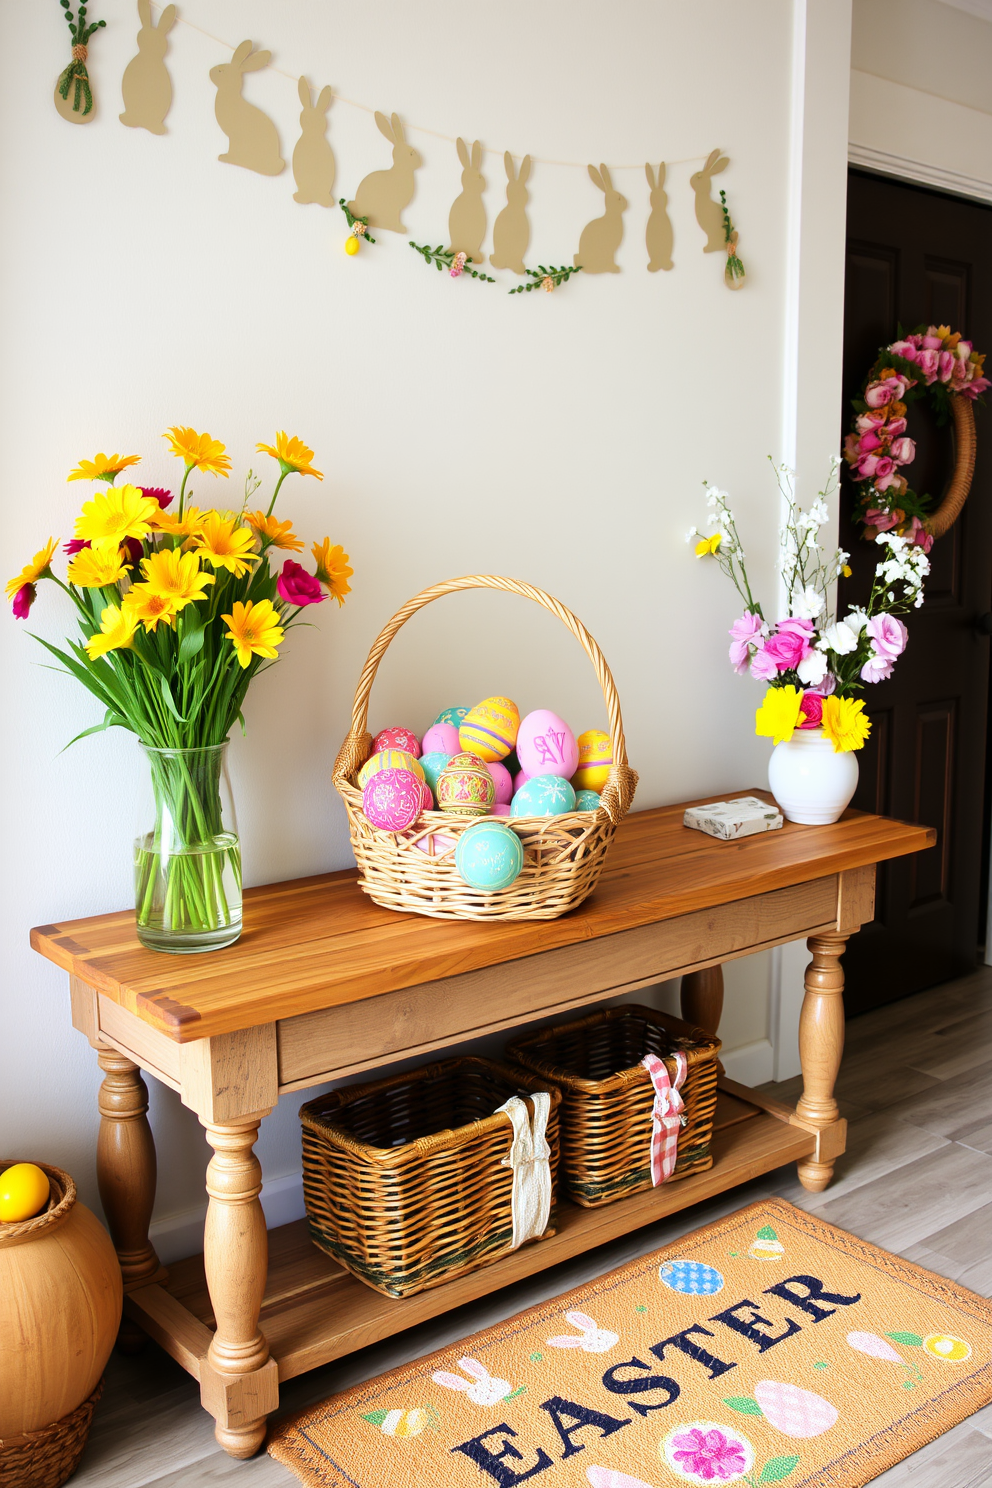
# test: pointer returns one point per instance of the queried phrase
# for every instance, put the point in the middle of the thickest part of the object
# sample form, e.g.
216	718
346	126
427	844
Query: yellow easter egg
947	1346
389	759
24	1191
351	245
595	760
490	728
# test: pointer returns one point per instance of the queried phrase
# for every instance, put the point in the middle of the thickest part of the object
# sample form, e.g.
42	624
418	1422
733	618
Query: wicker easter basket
563	855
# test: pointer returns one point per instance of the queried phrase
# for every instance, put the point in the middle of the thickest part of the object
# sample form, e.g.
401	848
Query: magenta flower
157	493
23	600
76	545
869	441
297	587
131	550
945	363
929	362
745	632
811	710
919	536
790	644
711	1455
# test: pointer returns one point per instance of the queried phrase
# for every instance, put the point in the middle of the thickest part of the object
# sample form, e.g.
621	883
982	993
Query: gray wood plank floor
916	1086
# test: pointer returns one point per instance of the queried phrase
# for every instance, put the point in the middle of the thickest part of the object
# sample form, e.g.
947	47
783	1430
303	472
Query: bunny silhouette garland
146	85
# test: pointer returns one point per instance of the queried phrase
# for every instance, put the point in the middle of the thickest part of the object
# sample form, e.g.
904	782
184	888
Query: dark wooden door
917	256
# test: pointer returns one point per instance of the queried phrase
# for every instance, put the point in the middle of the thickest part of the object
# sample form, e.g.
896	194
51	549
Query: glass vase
187	867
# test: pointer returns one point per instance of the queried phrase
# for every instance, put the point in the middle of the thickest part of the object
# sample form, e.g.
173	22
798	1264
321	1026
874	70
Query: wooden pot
60	1307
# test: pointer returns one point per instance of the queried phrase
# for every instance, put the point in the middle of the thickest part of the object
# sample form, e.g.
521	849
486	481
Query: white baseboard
752	1064
176	1236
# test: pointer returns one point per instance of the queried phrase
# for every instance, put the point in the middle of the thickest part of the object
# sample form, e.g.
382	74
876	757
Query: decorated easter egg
595	760
543	795
441	738
388	759
465	786
792	1411
400	1422
693	1278
436	844
587	800
393	799
397	738
947	1346
489	856
546	745
451	715
520	779
490	728
500	809
503	781
432	764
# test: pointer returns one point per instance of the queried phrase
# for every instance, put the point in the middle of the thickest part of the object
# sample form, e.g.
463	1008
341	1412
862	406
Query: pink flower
883	482
883	520
946	362
866	421
745	632
878	394
884	466
964	350
869	441
903	450
866	466
810	710
887	635
459	265
931	341
895	427
763	666
297	587
789	645
904	349
919	536
23	600
928	362
710	1455
157	493
976	388
76	545
876	669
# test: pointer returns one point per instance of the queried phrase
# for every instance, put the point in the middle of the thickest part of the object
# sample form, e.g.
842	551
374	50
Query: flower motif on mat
706	1452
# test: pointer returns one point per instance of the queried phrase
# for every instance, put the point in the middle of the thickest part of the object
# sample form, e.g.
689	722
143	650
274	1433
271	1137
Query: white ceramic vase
811	783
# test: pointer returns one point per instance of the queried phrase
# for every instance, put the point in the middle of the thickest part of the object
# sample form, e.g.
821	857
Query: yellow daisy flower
141	604
254	630
198	450
103	467
844	723
174	526
708	545
273	532
108	519
225	545
35	570
779	713
117	628
332	568
175	576
292	454
93	568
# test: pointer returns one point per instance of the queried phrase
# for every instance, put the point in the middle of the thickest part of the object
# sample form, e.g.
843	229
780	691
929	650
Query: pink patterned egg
792	1411
521	778
546	745
393	799
465	786
503	781
608	1477
441	738
397	738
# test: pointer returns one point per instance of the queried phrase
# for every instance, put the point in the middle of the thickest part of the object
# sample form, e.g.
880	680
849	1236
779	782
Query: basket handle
619	789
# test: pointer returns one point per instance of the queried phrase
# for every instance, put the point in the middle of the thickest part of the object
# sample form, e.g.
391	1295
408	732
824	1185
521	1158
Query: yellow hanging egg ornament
352	245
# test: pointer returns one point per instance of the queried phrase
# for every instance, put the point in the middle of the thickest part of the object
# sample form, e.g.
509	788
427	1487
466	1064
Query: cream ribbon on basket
528	1157
666	1117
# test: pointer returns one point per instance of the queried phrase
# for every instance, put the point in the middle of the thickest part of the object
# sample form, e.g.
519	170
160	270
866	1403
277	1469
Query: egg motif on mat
543	795
489	856
465	786
503	781
24	1192
397	738
432	764
490	728
609	1477
451	715
393	799
587	800
388	759
595	760
441	738
546	745
692	1278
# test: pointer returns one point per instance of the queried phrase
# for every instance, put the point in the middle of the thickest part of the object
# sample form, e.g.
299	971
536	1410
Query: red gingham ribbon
666	1117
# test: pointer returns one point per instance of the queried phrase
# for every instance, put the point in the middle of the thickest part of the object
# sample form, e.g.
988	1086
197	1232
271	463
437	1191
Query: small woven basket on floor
563	855
48	1457
404	1178
609	1096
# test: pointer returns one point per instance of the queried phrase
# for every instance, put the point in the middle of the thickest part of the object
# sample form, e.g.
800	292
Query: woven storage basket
404	1179
609	1097
563	855
47	1458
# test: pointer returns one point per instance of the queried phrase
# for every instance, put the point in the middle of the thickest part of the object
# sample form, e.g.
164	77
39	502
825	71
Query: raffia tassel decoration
73	94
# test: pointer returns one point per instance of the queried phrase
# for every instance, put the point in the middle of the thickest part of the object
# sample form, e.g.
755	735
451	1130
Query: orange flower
332	568
103	467
274	533
198	450
292	454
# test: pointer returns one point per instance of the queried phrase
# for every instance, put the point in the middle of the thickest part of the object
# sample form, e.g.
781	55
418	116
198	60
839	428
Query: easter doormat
766	1348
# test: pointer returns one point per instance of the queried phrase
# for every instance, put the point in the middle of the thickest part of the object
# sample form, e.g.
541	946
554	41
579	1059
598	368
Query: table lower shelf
315	1311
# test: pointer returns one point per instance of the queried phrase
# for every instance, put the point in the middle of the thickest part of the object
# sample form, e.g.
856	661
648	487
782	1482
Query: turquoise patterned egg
543	795
489	856
451	715
432	765
692	1278
585	800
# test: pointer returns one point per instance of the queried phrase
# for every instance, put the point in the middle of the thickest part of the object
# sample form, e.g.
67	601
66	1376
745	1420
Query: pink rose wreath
931	360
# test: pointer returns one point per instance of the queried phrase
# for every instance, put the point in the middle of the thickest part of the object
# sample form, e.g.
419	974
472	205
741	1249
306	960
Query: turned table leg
239	1384
701	997
821	1043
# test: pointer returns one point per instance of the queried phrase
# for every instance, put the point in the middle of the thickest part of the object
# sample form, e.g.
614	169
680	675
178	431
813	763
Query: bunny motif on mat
252	138
313	158
658	234
709	213
601	238
146	85
382	195
590	1338
481	1389
467	218
511	230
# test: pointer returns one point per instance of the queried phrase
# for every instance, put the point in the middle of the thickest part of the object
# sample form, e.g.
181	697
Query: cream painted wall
563	439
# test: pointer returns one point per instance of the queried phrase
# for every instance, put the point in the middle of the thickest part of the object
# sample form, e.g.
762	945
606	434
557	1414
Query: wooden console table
323	984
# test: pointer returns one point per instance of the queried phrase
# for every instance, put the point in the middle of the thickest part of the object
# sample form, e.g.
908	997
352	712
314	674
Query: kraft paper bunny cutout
658	234
382	195
253	140
590	1339
601	238
146	85
709	213
467	218
313	158
483	1389
511	230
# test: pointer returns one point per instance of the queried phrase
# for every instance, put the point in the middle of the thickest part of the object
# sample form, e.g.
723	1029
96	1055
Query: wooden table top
317	942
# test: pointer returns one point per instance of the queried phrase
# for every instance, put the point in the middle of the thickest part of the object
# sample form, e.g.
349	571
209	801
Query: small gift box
732	819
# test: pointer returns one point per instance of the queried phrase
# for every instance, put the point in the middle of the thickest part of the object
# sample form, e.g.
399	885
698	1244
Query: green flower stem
444	258
182	490
286	470
556	275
